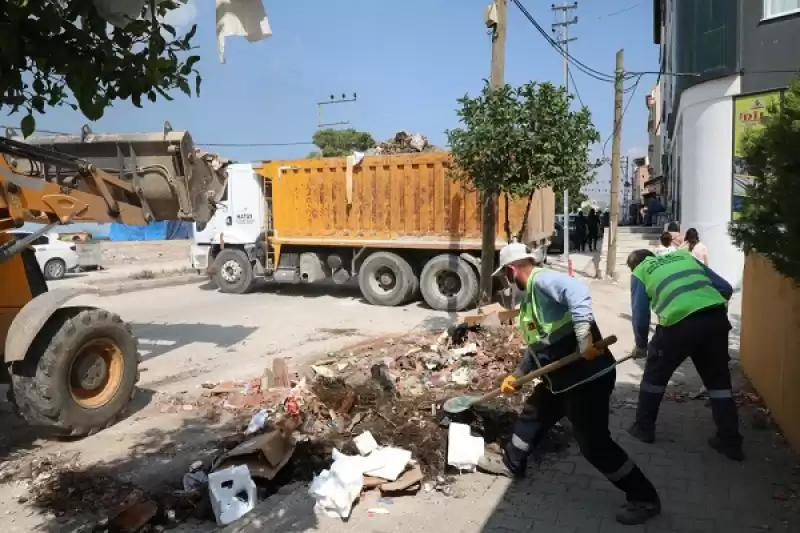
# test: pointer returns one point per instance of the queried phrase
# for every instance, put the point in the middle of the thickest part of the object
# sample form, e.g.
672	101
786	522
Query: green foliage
770	217
576	198
518	139
339	143
55	53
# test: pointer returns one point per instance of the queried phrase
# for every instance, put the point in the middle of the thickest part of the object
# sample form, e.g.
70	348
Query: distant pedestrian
666	245
606	218
580	231
592	229
695	247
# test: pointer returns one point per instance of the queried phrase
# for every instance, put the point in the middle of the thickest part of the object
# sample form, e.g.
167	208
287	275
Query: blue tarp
155	231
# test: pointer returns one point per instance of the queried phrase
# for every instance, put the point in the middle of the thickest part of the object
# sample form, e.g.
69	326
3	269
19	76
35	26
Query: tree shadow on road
158	339
70	497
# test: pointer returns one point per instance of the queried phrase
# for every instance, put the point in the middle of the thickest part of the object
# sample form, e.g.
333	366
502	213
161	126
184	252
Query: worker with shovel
556	320
690	301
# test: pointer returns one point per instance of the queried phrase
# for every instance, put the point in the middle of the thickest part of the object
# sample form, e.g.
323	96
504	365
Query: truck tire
386	279
79	374
233	273
449	283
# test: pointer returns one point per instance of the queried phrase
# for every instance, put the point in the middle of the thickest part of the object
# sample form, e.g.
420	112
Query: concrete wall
769	50
705	155
111	253
770	342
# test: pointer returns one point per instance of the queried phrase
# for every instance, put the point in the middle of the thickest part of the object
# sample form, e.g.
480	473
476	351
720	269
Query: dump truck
400	225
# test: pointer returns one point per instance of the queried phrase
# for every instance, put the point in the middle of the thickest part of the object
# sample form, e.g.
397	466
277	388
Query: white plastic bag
336	490
232	493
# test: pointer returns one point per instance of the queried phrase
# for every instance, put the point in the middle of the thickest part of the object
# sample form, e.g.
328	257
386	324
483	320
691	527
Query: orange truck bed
399	201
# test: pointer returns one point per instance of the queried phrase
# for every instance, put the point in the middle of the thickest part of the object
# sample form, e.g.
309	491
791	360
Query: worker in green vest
690	301
556	320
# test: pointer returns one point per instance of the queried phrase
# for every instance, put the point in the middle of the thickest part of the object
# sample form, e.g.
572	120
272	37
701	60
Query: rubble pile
368	418
404	143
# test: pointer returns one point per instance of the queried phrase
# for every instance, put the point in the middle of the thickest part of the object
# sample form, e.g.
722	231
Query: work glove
509	385
583	333
639	353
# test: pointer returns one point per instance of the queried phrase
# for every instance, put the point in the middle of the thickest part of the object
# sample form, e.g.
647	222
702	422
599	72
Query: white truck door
244	220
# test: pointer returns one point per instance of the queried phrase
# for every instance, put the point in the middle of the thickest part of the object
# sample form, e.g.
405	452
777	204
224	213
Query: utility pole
563	39
611	260
331	101
496	18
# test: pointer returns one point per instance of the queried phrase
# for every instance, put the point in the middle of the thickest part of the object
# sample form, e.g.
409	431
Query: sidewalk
701	491
128	278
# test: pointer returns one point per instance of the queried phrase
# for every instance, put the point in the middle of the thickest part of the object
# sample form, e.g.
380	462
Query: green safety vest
677	286
535	330
533	327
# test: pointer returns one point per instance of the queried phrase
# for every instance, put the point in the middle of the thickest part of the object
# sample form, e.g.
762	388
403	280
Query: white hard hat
515	251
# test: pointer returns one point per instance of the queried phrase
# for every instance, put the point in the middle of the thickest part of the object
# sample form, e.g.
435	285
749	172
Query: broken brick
281	372
133	517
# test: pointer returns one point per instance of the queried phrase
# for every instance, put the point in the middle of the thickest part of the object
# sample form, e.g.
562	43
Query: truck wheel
54	269
449	283
386	279
79	374
233	272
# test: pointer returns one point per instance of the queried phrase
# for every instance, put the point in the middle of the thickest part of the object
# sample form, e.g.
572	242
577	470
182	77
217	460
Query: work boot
495	464
635	513
731	450
644	435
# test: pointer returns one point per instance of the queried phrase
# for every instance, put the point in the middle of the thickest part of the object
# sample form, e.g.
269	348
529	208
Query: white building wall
705	126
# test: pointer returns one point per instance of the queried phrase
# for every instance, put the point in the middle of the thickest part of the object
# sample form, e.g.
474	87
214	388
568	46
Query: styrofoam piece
463	450
392	460
232	493
365	443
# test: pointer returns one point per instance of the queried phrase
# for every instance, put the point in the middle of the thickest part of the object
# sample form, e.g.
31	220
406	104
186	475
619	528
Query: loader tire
79	374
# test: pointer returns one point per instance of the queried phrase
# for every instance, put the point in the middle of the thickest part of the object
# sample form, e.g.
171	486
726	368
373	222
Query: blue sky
407	61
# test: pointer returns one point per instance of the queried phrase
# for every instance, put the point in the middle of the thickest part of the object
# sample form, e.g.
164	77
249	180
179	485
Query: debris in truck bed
404	142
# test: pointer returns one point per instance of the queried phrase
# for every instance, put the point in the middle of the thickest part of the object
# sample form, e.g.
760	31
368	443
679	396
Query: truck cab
239	221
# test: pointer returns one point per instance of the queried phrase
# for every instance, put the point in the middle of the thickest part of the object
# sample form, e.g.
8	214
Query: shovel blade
459	404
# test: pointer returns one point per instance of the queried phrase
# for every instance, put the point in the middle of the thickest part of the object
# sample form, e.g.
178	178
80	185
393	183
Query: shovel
459	404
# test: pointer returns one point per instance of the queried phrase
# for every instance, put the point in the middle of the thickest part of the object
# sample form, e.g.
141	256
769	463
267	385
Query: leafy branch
56	53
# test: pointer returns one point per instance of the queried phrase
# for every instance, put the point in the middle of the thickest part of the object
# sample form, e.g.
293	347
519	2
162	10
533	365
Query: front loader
71	366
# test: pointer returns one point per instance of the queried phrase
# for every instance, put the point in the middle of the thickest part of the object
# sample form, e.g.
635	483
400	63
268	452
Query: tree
55	53
338	143
576	198
770	218
519	139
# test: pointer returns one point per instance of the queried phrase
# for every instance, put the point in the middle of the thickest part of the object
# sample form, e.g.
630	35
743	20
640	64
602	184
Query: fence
770	342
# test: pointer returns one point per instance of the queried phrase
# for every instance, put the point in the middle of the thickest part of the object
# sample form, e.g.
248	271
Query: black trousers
587	408
703	337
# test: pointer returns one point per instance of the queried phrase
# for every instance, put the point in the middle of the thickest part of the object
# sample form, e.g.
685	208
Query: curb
124	286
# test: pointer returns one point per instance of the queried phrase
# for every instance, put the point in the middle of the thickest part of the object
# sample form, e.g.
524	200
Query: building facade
723	63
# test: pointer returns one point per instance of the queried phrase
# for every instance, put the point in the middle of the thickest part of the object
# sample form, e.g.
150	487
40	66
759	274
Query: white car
55	257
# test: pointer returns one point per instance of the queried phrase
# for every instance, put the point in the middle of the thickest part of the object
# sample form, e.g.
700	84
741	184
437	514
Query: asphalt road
189	334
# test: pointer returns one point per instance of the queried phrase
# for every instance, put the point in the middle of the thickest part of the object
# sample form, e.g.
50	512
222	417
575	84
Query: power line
575	86
621	11
622	117
255	145
596	74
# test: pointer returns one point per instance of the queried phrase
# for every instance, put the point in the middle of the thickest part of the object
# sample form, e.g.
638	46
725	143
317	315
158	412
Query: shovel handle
546	369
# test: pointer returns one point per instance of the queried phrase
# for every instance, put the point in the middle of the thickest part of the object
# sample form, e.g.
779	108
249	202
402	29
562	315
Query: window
778	8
